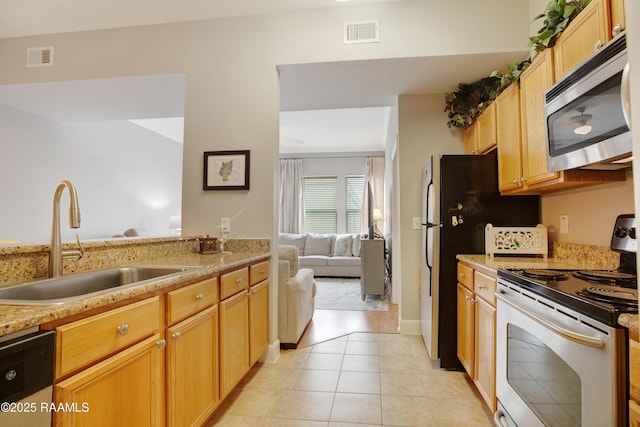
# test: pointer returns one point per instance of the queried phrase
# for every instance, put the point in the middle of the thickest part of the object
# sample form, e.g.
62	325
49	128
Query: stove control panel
624	234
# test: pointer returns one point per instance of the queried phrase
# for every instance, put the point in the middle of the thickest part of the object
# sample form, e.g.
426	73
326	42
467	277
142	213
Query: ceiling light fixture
581	120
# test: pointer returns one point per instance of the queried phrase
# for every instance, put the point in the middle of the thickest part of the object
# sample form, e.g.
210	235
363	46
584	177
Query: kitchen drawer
85	341
186	301
484	286
259	272
234	282
465	275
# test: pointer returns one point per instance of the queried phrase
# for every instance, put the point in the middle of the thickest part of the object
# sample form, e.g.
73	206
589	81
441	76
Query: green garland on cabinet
465	104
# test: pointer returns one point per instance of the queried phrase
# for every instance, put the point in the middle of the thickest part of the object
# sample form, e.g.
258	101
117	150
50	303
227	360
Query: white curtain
291	196
373	176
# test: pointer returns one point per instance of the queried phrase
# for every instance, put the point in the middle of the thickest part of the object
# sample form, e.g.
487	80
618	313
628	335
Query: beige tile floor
362	379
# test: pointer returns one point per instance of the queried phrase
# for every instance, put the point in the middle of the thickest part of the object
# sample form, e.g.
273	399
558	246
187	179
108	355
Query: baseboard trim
272	354
410	327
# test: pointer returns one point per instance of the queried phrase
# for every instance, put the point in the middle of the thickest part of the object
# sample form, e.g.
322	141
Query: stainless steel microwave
587	113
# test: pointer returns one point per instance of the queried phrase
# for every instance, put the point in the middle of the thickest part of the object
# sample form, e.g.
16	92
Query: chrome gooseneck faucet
55	251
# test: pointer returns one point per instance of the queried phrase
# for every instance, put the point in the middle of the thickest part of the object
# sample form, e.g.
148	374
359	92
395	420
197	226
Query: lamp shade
377	214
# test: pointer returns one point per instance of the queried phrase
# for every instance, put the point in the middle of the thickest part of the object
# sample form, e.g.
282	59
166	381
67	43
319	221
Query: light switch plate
225	225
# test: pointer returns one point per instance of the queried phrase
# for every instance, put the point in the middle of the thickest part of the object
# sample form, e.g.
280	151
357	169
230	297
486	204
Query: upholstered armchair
296	292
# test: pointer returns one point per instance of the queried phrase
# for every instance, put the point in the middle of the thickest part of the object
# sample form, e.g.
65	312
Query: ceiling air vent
361	32
40	56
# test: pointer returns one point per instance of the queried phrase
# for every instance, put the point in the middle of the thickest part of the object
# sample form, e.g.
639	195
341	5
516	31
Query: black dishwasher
26	379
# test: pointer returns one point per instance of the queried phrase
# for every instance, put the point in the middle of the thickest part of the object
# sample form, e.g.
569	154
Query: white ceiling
333	100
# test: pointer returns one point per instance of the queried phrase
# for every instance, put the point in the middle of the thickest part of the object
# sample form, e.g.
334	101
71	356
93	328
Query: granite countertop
492	264
15	318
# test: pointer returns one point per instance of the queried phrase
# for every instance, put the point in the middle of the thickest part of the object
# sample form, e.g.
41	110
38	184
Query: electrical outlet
225	225
564	224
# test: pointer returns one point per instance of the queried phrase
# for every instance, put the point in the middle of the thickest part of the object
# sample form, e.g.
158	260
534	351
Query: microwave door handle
563	332
625	95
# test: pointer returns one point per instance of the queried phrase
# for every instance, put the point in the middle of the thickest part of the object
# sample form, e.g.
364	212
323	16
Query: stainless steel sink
73	287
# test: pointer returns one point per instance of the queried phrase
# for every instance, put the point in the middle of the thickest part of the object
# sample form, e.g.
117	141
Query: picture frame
226	170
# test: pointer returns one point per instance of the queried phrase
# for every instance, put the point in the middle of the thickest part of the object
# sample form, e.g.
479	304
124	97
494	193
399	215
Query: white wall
423	132
124	175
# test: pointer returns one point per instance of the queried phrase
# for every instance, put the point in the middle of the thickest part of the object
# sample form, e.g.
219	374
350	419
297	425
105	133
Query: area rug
344	294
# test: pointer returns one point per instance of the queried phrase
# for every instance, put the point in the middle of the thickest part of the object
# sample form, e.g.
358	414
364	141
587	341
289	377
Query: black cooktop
598	297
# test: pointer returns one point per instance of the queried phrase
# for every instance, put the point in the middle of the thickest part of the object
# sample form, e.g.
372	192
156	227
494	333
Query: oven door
555	367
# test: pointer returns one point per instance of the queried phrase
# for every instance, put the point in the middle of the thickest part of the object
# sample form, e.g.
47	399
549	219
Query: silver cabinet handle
161	344
560	330
239	280
625	95
523	180
123	329
515	181
263	271
199	297
616	30
176	336
461	275
597	45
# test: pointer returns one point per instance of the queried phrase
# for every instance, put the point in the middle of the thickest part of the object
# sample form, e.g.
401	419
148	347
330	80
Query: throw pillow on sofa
318	244
342	246
296	240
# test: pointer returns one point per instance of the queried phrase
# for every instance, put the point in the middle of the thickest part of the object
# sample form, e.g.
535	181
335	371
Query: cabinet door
485	350
126	389
466	320
234	341
508	139
588	31
192	369
486	125
634	414
618	20
534	81
258	320
471	139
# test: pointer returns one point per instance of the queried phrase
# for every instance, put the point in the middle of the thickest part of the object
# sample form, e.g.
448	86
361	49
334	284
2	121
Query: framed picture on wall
226	170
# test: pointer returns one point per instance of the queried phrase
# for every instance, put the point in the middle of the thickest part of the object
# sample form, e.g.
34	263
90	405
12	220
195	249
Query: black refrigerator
460	196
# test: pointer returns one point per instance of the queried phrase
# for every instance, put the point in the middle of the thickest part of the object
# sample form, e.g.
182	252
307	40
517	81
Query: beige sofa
296	293
328	255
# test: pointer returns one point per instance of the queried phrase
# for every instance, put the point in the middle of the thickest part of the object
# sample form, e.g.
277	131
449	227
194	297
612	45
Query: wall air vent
361	32
40	56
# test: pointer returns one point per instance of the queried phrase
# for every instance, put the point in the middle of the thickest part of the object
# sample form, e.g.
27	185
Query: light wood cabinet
477	330
534	82
480	137
244	322
192	369
82	342
634	414
258	320
508	139
234	341
470	139
466	326
192	353
485	351
618	19
486	125
123	390
586	34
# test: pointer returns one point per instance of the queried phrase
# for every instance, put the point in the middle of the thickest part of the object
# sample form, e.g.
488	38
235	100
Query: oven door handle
563	332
